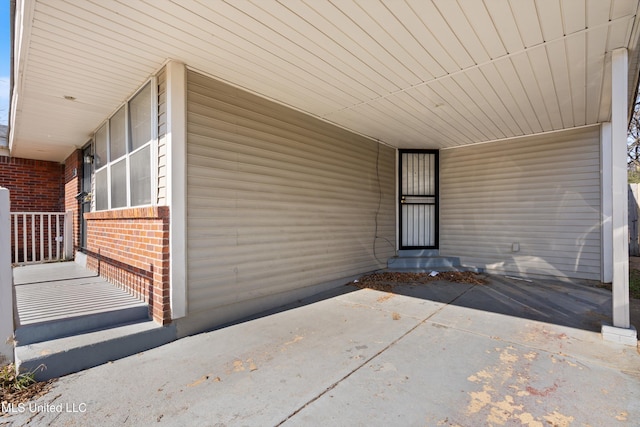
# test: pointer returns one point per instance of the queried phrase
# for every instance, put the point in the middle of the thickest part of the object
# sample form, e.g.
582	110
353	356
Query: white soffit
411	73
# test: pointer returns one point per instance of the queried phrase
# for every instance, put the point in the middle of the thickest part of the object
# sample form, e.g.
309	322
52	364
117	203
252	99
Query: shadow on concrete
557	302
564	303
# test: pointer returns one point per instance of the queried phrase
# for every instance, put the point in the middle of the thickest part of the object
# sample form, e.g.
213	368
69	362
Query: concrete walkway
442	354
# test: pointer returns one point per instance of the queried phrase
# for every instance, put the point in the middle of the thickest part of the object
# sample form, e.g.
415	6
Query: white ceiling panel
526	18
550	15
347	30
596	50
489	101
482	109
457	100
619	31
574	14
622	8
431	17
484	29
598	12
519	98
409	73
559	65
442	113
430	49
526	76
605	102
506	25
403	45
463	30
541	69
378	41
575	47
435	130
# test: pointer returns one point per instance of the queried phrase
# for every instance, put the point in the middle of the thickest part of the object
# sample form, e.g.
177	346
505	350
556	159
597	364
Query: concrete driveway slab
557	339
254	373
551	301
419	302
442	376
424	355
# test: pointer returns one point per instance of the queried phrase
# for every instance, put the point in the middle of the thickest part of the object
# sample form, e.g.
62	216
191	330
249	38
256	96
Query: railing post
68	235
6	280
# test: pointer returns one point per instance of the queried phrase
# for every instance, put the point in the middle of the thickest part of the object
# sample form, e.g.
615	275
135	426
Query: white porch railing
41	236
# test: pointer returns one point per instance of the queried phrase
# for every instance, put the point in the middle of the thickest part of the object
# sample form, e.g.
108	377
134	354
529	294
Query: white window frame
152	144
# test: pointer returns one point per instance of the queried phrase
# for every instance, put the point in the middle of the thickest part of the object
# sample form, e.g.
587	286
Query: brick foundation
130	248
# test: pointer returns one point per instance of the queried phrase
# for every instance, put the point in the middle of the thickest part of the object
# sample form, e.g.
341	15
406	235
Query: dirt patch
634	303
16	389
32	392
634	312
386	281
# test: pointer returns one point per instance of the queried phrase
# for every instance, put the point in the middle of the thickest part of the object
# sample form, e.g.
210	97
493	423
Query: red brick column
130	248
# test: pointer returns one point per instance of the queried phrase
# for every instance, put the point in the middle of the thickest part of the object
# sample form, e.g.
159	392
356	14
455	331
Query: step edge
32	333
133	339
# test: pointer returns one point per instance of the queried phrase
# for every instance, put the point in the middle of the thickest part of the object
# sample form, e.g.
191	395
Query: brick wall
72	183
34	186
130	248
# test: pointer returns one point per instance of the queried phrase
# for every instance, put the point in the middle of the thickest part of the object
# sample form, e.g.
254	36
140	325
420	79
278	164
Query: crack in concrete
357	368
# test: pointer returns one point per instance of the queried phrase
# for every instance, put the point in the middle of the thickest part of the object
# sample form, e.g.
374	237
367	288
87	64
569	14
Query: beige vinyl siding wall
162	138
542	192
277	201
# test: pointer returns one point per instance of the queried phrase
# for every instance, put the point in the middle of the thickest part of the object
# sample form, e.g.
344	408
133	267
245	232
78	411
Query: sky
4	61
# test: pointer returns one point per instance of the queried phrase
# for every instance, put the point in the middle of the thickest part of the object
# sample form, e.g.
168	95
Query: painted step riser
46	331
418	253
93	354
423	262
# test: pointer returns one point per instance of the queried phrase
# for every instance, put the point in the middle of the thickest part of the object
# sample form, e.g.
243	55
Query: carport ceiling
411	73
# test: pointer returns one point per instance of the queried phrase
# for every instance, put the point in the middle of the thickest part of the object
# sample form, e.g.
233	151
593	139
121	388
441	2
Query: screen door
418	199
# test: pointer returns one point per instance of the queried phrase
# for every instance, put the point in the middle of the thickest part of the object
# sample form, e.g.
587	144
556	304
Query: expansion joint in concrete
366	362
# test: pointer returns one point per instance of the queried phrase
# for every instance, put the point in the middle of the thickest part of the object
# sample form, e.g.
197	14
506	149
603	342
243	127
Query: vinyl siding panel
542	192
162	138
278	201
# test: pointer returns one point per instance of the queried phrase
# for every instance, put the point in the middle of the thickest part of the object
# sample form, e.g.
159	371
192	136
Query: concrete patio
442	354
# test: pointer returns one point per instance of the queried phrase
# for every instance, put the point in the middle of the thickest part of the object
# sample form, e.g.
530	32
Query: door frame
85	196
399	204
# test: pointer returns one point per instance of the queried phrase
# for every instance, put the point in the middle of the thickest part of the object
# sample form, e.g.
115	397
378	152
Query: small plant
16	387
11	380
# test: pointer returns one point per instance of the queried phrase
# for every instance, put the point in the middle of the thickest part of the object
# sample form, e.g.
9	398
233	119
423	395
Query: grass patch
20	387
634	284
11	381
